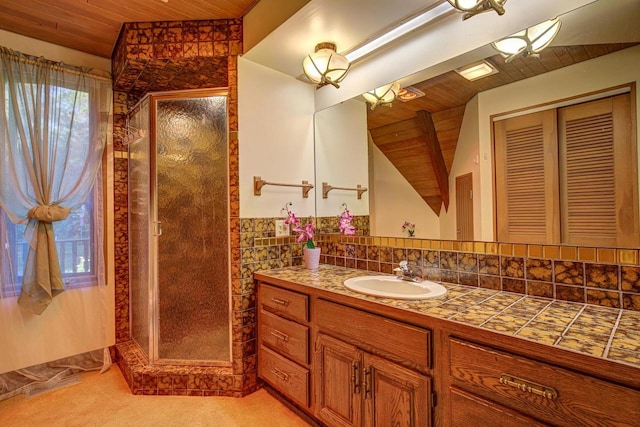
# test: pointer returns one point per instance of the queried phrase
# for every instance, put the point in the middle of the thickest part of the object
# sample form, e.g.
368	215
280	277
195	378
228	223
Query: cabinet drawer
289	303
286	376
408	342
286	336
470	410
549	393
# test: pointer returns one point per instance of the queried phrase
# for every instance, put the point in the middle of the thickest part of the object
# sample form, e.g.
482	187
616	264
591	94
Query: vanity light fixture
325	65
474	7
384	95
388	36
477	70
528	42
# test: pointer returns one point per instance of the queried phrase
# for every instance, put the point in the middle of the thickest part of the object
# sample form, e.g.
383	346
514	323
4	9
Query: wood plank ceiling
400	131
92	26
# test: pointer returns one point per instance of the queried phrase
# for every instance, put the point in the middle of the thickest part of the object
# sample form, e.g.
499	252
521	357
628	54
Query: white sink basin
392	287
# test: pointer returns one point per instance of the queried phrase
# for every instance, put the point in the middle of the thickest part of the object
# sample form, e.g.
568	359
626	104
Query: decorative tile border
606	277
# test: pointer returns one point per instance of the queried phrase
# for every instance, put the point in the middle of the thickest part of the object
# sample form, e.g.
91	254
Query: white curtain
54	123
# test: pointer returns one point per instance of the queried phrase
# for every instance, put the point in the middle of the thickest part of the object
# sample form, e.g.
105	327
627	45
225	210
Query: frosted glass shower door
192	244
140	266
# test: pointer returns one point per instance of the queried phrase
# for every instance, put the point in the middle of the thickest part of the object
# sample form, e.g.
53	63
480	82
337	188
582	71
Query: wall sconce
384	95
528	42
325	65
474	7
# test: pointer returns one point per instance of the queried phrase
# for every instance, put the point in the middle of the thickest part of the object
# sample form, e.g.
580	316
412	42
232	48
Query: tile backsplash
599	276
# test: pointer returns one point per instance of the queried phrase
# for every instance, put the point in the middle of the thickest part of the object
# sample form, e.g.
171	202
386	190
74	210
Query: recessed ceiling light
477	70
409	93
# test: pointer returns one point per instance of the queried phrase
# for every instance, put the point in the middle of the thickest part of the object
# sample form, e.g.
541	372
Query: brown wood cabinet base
354	362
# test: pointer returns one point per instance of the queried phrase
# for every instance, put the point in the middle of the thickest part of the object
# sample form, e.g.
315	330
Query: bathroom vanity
347	359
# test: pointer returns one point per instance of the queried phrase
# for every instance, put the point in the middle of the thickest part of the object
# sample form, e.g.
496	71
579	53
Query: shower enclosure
179	228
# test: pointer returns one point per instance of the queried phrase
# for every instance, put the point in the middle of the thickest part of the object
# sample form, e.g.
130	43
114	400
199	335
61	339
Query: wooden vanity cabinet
283	338
488	383
354	386
347	364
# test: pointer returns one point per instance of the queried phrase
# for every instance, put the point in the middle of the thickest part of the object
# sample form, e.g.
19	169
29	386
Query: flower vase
311	258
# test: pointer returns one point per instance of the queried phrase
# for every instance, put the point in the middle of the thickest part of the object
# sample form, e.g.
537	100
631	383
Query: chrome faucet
406	273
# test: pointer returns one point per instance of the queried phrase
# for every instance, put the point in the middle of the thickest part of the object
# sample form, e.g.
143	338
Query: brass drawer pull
280	301
279	335
367	383
528	386
284	377
355	377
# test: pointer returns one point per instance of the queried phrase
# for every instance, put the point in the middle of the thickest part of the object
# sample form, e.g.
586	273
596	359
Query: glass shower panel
192	246
139	222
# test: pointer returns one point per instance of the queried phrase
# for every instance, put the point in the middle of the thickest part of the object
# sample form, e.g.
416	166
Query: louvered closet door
527	201
597	173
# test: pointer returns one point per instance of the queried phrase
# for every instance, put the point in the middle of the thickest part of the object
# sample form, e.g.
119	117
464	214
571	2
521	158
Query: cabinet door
337	385
394	395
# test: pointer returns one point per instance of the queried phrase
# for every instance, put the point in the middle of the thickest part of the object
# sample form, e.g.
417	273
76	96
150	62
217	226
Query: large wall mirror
596	54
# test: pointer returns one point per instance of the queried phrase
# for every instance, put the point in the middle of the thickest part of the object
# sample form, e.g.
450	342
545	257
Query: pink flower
345	224
291	219
409	228
305	232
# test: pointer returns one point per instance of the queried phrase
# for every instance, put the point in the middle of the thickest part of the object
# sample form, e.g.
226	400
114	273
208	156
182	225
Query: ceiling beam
435	154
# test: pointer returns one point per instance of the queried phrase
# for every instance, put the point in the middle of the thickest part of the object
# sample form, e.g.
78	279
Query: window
568	175
76	236
75	240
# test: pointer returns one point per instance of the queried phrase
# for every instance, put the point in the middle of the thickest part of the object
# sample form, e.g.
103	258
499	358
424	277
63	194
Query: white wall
275	118
341	157
78	320
394	201
264	17
466	160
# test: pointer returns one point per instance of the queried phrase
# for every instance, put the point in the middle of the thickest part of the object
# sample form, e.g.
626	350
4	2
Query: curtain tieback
48	213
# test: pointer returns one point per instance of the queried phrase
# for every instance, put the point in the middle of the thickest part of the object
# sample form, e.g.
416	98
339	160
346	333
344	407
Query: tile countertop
604	332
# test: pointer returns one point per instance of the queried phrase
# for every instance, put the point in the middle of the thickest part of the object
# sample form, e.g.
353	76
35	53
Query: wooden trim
564	102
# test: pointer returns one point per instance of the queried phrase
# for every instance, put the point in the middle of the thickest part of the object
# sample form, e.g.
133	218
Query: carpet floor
105	400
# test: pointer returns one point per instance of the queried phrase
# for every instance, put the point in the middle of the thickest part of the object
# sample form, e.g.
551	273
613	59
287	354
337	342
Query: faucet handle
404	265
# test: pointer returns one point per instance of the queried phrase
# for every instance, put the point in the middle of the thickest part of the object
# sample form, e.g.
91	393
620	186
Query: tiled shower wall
169	56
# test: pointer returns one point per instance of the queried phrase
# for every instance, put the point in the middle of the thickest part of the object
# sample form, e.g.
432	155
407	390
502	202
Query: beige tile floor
105	400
